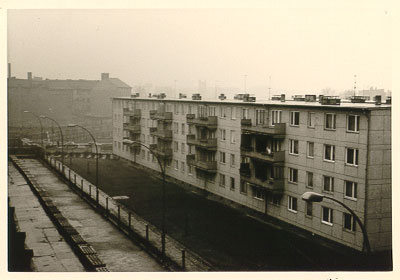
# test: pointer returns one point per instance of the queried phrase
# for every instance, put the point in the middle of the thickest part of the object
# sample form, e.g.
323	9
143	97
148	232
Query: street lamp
62	140
97	153
41	126
130	142
316	197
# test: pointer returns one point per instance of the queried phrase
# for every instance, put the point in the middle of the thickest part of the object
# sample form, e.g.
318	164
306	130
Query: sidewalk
113	247
50	251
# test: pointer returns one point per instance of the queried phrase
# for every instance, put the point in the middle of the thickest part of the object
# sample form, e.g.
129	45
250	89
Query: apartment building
265	154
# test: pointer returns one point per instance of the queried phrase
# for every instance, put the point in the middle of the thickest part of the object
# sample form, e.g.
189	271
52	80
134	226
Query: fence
131	223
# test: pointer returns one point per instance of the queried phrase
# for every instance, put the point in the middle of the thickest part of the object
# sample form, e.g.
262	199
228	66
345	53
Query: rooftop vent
196	96
161	96
329	100
378	100
182	96
358	99
298	98
283	97
135	95
222	96
388	100
248	98
276	97
310	98
238	96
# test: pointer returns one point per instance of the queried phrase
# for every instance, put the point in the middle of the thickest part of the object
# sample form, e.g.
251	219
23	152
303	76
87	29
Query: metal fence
130	222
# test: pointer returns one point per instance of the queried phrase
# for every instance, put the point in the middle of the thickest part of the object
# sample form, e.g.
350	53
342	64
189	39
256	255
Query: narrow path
113	247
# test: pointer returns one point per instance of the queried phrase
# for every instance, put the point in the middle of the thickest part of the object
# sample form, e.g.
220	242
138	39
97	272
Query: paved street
220	234
113	248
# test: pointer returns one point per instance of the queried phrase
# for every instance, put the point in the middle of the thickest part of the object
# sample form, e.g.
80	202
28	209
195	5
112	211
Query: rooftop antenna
269	88
245	77
175	88
355	84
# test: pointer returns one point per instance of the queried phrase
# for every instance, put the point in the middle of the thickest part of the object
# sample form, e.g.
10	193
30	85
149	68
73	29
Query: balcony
209	166
161	152
210	144
136	113
245	122
162	116
153	114
277	131
133	128
273	185
165	134
274	157
209	122
245	169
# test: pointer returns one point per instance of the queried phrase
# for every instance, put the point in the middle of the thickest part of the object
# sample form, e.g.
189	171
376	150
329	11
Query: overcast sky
303	49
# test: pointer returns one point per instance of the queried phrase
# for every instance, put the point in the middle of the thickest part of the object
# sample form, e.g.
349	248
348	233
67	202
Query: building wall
377	190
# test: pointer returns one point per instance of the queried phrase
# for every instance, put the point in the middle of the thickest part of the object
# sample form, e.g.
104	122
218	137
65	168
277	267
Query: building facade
265	155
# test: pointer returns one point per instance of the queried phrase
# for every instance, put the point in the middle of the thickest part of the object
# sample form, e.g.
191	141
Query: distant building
264	155
86	102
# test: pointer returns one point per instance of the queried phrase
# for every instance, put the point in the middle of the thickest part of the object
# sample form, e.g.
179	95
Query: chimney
378	100
105	76
29	75
282	97
9	70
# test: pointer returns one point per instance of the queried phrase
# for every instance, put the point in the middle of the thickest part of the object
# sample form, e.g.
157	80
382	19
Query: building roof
118	83
345	104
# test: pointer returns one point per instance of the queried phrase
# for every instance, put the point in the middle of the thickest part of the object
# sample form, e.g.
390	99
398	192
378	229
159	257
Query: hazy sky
302	49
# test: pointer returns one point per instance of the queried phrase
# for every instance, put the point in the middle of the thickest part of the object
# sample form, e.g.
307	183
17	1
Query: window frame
353	223
292	120
332	153
311	120
293	174
331	184
353	187
356	123
276	117
222	180
309	209
292	147
222	155
355	156
333	120
308	173
330	216
292	204
308	149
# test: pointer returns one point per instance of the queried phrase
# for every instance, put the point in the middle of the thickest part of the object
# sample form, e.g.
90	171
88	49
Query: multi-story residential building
265	155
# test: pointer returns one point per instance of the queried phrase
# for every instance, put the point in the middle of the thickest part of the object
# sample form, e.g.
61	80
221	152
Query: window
329	152
293	175
176	128
276	116
233	113
276	199
223	134
243	187
311	119
349	222
292	204
211	111
232	184
308	208
176	147
294	118
327	215
183	167
258	193
143	154
310	180
182	148
260	116
222	157
330	121
352	156
232	160
293	147
233	139
222	180
190	169
183	129
329	184
245	113
222	112
353	123
350	190
310	149
176	164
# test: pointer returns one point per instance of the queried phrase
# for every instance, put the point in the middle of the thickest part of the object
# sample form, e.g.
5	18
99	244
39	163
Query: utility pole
355	84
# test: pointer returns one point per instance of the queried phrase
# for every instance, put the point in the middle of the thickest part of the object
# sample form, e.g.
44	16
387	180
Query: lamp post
316	197
127	141
62	139
41	126
97	153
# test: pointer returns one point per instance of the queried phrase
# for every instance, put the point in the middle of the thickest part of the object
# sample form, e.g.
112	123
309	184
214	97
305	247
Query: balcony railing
162	152
245	122
209	166
277	131
165	116
163	134
274	185
210	143
209	122
135	128
274	157
245	169
136	113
